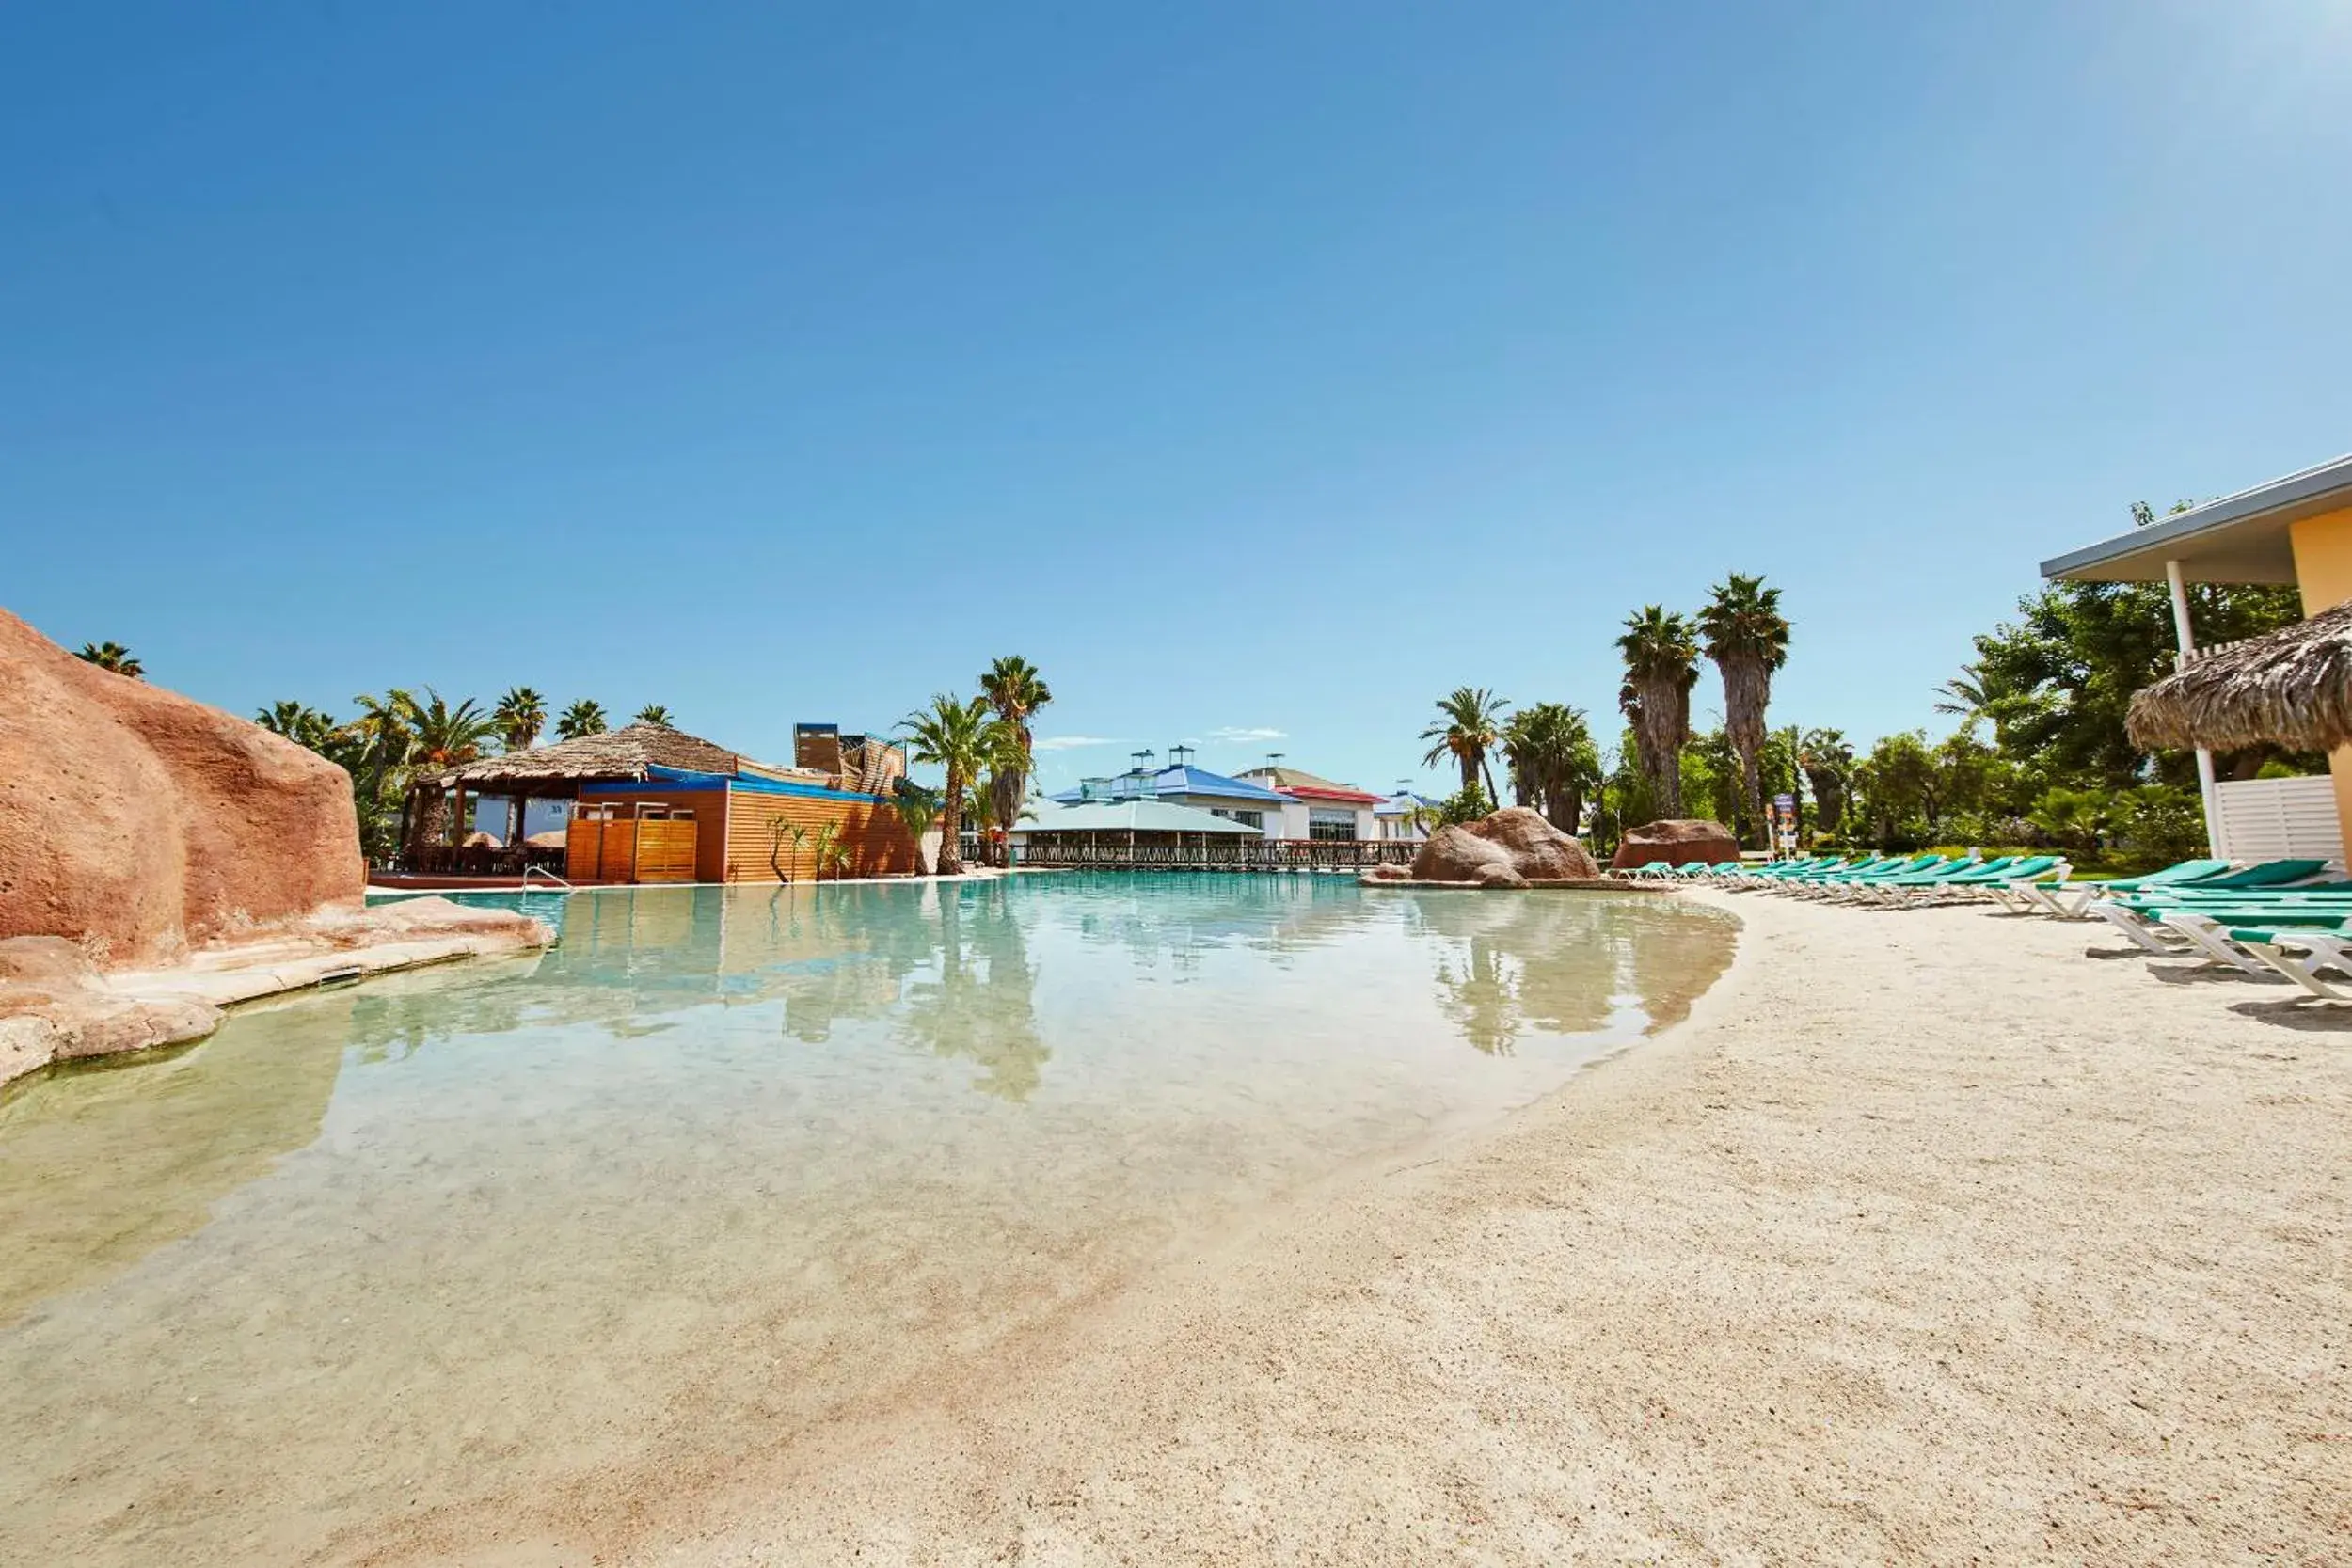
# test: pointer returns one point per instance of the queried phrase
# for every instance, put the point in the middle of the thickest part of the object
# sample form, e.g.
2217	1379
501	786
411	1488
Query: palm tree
112	656
584	718
521	715
1661	665
653	714
1015	689
959	735
1826	759
918	808
1747	637
445	738
300	723
1469	725
1553	761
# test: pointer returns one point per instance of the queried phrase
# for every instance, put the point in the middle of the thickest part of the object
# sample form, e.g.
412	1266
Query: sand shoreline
1876	1257
1927	1238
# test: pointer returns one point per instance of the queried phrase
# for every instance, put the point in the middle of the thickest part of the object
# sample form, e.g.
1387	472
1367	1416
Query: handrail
530	871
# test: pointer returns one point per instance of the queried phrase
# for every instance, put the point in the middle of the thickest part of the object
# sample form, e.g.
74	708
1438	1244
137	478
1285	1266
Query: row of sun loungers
2291	918
1888	881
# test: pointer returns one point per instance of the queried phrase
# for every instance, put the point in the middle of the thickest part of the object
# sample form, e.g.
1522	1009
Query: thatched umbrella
2292	686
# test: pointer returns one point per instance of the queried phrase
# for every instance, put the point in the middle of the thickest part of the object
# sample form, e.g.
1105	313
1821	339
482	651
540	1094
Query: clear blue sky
1266	367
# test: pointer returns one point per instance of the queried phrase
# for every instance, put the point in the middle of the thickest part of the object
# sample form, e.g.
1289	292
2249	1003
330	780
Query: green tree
521	715
114	657
1747	637
2057	682
1553	761
1015	689
1466	805
584	718
1661	665
1469	725
653	714
959	735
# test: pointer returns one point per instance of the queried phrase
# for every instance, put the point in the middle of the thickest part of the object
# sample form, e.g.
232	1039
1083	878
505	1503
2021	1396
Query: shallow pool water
726	1164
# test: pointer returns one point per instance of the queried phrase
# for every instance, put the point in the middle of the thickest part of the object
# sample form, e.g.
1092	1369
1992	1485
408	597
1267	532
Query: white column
2186	639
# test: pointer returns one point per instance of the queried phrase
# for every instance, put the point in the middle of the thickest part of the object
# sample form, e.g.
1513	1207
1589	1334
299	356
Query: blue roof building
1253	806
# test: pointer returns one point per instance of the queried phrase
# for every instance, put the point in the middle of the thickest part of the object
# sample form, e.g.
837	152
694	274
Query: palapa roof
2292	686
626	753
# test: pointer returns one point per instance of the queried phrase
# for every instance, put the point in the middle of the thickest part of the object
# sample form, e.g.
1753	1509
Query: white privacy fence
2269	819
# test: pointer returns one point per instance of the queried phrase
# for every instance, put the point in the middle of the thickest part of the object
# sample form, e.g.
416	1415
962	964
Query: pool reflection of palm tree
979	1007
1479	990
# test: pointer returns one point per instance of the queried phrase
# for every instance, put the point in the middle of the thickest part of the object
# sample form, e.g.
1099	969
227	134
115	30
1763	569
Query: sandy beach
1927	1239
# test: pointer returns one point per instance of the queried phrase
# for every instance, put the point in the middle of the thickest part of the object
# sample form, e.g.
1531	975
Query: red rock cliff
136	821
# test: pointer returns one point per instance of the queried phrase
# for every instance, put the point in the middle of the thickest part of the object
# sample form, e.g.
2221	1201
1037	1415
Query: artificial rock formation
1677	842
1512	847
140	823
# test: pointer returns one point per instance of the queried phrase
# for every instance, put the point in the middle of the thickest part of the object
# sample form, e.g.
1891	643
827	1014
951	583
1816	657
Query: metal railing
1261	854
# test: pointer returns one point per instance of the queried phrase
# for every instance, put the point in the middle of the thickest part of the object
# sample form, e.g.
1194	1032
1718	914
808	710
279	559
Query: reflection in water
713	1172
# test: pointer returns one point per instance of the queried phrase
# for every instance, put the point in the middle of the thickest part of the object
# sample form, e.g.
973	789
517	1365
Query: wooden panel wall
583	850
876	835
665	851
710	807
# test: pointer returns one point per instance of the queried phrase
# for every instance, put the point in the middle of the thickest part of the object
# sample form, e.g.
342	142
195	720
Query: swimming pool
725	1166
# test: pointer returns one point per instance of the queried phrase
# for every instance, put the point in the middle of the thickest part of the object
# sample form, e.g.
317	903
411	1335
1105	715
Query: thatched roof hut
2292	686
626	753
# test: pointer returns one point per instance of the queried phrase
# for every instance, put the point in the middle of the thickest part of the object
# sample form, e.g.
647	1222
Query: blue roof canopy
1180	780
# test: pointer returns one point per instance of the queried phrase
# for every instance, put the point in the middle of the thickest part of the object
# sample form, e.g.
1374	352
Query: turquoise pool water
726	1166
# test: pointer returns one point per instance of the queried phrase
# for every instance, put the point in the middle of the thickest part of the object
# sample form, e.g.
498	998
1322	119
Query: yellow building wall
2323	573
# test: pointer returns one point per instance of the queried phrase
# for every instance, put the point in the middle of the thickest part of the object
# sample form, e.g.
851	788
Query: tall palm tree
446	738
1553	761
1015	689
521	715
1469	725
959	735
298	723
653	714
584	718
1747	637
113	655
1662	664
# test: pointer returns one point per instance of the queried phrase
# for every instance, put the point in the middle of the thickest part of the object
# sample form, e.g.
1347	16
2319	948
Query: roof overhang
2240	538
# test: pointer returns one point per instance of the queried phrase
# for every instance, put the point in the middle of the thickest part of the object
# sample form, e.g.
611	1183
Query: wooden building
652	804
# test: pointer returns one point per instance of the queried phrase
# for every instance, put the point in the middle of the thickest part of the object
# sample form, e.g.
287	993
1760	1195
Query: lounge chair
2015	888
2073	903
1907	887
2143	918
2276	949
1842	884
2219	939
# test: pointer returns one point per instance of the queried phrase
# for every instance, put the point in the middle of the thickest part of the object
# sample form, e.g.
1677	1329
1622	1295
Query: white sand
1928	1239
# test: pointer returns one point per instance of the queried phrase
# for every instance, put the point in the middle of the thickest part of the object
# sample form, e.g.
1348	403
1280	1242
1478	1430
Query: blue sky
1251	369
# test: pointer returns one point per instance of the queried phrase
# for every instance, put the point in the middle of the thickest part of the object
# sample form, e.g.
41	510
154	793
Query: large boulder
1677	842
1510	849
138	823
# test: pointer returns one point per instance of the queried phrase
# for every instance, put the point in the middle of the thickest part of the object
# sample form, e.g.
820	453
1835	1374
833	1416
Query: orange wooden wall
878	843
734	833
709	863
